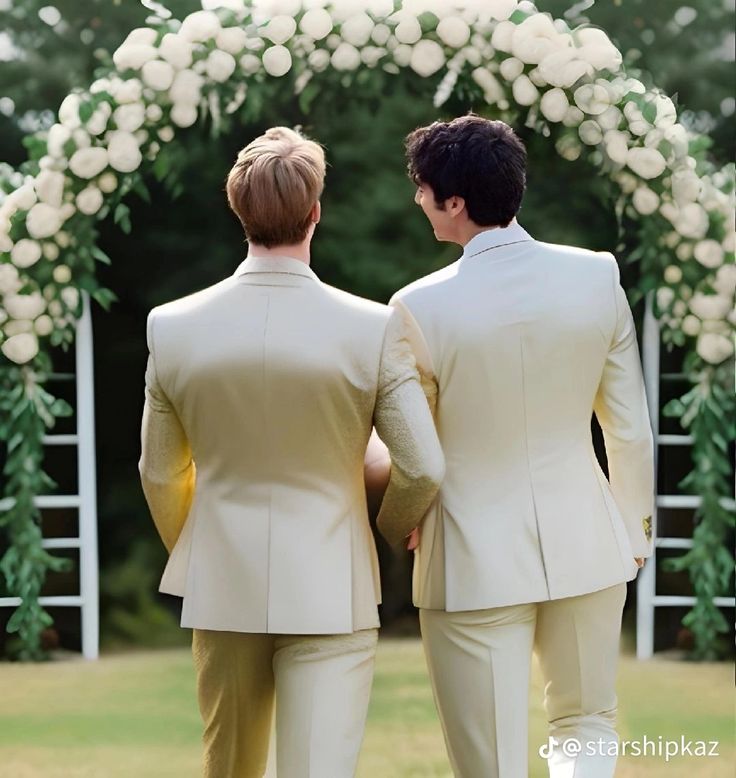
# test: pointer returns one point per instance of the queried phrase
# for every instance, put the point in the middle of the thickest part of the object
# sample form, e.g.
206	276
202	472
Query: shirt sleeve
166	467
404	423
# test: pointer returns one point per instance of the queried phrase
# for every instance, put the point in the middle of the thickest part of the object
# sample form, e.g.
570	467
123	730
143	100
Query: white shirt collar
287	265
495	238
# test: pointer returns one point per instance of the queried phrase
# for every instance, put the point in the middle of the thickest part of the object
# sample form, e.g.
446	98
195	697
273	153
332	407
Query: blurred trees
372	239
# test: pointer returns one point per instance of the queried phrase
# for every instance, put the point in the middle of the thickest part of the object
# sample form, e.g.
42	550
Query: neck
300	251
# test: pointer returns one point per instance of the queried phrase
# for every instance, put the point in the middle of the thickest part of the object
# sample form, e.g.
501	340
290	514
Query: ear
455	206
316	213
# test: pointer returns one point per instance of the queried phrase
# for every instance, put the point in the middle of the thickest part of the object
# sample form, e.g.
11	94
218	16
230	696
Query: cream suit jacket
269	382
526	340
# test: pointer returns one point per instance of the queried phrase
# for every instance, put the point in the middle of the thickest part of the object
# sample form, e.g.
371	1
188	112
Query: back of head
274	184
481	160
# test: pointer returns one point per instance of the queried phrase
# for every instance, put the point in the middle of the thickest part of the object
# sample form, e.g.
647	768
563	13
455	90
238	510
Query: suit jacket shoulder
427	284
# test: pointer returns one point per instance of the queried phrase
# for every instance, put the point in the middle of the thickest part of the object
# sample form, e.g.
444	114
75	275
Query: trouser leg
235	690
323	686
479	665
577	642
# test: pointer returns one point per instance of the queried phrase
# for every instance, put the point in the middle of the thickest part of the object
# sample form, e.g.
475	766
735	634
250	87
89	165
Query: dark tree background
372	239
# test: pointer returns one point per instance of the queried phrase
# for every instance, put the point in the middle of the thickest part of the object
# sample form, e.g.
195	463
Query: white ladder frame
647	598
85	501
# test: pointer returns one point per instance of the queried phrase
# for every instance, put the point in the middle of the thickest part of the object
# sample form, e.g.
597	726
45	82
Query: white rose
592	98
107	182
646	163
372	55
51	251
573	117
568	148
690	325
62	274
714	347
166	134
129	117
67	209
24	306
596	48
536	38
319	60
63	239
686	186
133	56
280	29
57	137
183	114
345	57
89	200
69	112
25	253
590	133
554	105
357	29
502	35
87	163
123	152
220	65
617	145
408	30
277	61
380	8
525	93
645	200
70	297
666	111
709	253
20	348
381	34
141	35
24	197
610	118
158	75
176	50
402	55
511	68
692	221
129	91
97	123
683	251
427	58
316	23
81	138
9	279
231	39
676	135
43	221
710	306
561	68
250	63
200	26
672	274
43	326
492	89
49	186
453	32
665	296
186	87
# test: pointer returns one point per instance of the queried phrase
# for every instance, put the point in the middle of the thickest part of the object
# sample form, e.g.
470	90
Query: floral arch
519	64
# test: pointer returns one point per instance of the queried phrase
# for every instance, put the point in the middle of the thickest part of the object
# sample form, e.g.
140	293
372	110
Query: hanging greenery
220	64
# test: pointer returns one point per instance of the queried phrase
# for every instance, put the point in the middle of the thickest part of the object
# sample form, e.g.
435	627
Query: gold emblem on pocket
647	524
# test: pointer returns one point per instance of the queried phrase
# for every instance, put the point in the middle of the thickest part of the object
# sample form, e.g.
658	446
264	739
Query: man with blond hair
261	393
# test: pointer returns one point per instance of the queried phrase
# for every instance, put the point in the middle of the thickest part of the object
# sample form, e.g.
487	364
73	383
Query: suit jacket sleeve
166	466
403	421
621	409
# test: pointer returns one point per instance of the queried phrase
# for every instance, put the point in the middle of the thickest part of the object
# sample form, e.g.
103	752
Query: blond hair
273	186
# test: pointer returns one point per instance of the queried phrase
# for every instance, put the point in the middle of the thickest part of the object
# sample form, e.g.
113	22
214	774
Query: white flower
511	68
672	274
536	38
129	91
709	253
683	251
686	186
63	239
277	61
617	145
250	63
133	56
158	75
561	68
402	55
592	98
187	87
176	50
183	114
492	89
665	297
231	39
525	93
316	23
81	138
142	35
691	221
107	182
453	32
25	253
43	325
87	163
154	113
610	118
62	274
200	26
690	325
18	326
220	65
666	111
97	123
590	133
129	117
645	200
408	30
280	29
166	134
502	35
554	105
357	29
568	148
123	151
9	279
714	347
380	8
498	9
345	57
58	135
595	47
646	163
20	348
319	60
51	251
381	34
24	306
676	135
70	297
573	117
68	209
710	306
24	197
43	221
89	200
69	112
427	58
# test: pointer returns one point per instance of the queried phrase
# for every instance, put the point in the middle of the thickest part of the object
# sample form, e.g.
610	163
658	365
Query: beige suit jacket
526	340
269	381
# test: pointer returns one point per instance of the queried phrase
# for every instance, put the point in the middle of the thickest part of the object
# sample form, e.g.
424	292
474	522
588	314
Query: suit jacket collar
281	265
483	243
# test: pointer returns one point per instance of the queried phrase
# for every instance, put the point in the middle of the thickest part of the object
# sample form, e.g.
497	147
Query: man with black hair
528	546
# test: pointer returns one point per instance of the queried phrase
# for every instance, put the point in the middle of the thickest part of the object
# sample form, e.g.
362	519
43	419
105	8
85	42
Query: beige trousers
479	664
320	685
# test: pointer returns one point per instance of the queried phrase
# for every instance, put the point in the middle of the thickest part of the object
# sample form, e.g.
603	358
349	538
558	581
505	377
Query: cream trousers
480	661
320	685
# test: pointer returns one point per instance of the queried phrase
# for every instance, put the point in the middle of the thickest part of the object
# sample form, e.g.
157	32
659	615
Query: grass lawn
134	715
